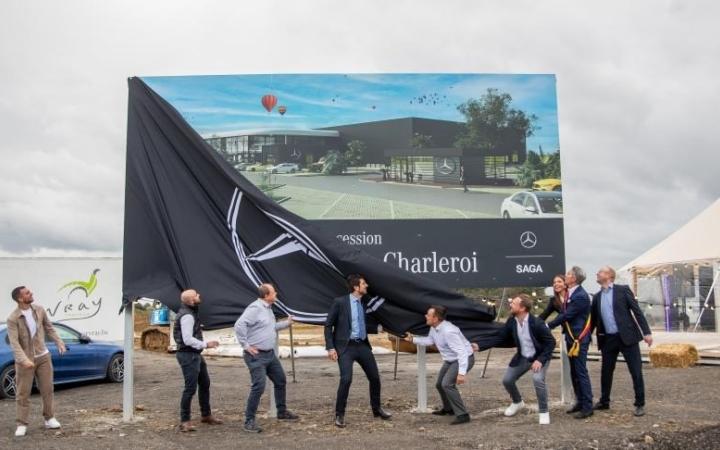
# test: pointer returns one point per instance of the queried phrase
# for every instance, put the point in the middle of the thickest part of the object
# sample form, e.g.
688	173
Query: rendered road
340	196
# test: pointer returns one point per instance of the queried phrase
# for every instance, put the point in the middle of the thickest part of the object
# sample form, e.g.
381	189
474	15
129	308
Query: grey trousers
449	394
512	374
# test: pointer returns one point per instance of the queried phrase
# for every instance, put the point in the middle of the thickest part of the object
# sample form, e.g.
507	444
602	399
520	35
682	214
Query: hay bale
155	340
674	355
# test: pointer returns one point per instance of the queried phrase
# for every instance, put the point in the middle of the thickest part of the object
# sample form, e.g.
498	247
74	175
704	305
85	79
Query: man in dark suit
620	326
576	327
346	341
535	344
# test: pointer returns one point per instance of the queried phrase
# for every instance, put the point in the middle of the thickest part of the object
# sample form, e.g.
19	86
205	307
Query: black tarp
193	221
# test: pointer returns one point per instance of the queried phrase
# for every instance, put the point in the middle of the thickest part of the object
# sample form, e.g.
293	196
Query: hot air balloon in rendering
282	109
268	101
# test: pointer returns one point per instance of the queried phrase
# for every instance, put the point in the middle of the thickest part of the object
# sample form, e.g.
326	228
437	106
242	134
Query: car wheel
8	387
506	215
116	368
292	170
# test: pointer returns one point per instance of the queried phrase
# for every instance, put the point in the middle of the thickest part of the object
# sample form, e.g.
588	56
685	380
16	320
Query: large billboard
451	176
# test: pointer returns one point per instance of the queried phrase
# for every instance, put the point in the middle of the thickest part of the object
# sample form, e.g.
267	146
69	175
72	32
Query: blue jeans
264	364
197	379
513	373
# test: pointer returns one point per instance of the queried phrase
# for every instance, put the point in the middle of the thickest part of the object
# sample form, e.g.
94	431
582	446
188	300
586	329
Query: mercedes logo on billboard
446	166
528	239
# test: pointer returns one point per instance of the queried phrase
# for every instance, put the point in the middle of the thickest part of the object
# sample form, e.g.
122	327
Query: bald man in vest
190	344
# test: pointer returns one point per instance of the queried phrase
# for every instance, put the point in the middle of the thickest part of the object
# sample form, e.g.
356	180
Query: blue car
84	360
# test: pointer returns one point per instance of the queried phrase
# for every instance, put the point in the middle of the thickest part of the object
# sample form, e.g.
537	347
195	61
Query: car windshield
550	204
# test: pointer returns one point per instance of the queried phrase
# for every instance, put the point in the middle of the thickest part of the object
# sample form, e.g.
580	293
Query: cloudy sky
638	97
225	103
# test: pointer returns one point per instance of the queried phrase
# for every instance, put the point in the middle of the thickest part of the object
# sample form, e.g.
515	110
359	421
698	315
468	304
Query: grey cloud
637	89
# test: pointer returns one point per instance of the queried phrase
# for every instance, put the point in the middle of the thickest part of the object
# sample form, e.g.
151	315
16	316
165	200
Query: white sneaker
545	418
514	408
52	424
21	430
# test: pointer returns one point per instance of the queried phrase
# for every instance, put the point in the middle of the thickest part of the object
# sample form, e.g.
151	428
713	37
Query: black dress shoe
601	406
463	418
639	411
574	409
584	414
382	414
442	412
287	415
340	421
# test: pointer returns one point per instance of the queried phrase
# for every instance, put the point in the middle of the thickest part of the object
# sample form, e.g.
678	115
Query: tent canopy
697	241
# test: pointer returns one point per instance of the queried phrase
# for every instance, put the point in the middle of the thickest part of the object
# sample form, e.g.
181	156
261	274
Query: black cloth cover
193	221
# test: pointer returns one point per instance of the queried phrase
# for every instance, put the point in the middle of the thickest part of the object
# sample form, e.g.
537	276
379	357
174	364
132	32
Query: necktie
361	319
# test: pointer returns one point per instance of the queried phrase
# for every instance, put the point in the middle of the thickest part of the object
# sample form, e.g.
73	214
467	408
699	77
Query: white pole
272	409
566	391
421	381
716	268
128	379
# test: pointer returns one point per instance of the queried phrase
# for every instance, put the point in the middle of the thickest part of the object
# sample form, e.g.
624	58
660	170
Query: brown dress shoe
211	420
186	427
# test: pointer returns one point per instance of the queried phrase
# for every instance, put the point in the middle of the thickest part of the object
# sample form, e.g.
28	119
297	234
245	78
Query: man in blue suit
620	325
346	341
575	322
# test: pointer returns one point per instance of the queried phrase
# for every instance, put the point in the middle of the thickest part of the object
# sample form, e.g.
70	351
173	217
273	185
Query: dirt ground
682	411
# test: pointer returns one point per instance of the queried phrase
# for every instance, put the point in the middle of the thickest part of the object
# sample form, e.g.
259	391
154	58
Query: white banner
83	293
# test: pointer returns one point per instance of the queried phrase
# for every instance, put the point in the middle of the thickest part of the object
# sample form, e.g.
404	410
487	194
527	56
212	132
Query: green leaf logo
87	286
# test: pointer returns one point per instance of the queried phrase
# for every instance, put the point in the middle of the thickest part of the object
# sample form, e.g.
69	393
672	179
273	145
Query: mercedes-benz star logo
528	239
446	167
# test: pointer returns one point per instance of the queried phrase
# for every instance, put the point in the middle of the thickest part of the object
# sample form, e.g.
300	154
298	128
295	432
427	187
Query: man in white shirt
458	359
535	344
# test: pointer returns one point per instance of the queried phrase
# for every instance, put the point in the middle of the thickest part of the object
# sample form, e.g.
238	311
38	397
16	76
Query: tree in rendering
489	119
335	163
355	153
419	141
538	166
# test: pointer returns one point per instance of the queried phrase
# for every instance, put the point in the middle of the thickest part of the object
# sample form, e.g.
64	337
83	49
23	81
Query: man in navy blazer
574	322
620	326
535	344
346	331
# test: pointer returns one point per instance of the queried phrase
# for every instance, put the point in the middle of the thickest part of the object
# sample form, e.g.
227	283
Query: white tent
696	241
681	266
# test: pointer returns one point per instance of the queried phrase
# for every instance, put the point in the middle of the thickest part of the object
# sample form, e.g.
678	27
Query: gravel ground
682	411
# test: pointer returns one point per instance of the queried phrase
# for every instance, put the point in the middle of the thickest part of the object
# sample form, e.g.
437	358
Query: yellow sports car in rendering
548	184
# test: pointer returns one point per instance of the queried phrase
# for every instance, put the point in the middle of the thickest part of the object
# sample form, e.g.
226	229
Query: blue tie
361	319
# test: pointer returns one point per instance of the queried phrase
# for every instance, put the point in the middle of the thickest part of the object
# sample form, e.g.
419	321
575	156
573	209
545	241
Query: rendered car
548	184
84	360
532	205
285	168
257	167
